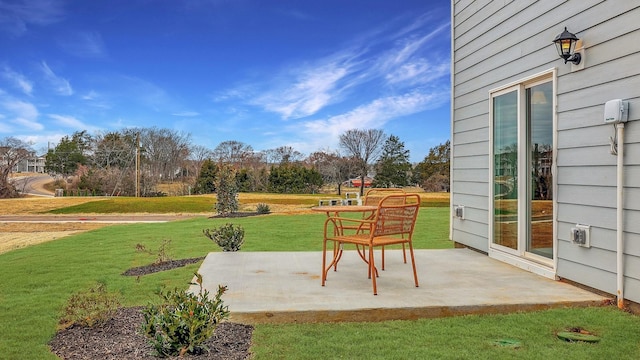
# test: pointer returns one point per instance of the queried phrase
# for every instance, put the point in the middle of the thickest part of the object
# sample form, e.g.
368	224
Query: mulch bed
165	265
119	338
234	215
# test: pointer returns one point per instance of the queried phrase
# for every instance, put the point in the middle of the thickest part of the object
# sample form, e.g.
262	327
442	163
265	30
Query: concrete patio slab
273	287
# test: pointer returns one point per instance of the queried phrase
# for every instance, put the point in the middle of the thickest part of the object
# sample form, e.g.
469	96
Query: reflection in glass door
505	169
540	143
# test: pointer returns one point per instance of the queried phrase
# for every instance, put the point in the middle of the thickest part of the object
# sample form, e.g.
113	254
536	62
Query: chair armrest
337	224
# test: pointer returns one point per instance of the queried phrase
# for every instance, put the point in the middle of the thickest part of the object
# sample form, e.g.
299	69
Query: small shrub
263	208
154	194
184	321
228	236
89	308
162	255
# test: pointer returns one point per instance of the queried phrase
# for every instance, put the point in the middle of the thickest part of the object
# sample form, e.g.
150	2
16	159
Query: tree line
135	160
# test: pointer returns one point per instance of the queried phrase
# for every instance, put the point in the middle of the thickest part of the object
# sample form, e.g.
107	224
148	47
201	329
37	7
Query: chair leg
404	254
368	263
337	254
372	268
382	257
413	264
324	261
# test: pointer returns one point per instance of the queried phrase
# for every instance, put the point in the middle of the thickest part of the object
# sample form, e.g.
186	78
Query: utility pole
138	165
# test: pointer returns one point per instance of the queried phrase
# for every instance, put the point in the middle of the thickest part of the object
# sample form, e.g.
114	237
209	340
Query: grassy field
36	282
204	203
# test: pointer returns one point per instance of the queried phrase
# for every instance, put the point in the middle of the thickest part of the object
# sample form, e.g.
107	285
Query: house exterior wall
500	42
31	164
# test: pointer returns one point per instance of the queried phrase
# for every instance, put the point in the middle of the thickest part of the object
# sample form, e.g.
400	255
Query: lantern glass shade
565	44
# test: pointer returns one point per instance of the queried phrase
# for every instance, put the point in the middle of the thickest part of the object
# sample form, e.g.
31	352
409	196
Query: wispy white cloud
42	141
17	79
4	127
243	92
91	95
22	113
28	124
373	115
60	85
71	122
21	108
95	99
382	62
186	114
86	44
17	16
420	71
311	89
410	61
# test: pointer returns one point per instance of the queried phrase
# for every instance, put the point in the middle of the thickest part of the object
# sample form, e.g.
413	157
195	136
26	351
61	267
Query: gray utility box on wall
581	235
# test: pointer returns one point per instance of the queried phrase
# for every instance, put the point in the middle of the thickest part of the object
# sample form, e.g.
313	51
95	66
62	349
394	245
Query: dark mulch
234	215
120	339
165	265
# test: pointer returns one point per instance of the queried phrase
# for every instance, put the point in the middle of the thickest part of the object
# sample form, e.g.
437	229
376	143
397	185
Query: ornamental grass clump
228	236
90	308
263	208
183	321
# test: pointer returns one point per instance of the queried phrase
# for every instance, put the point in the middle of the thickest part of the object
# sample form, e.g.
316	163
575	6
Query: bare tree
333	167
232	152
283	155
114	149
12	151
198	154
164	152
364	146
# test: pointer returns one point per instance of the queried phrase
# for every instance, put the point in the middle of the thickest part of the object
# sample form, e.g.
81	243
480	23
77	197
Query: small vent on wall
458	211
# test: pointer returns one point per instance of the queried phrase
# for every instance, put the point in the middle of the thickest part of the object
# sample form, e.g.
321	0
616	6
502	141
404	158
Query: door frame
520	257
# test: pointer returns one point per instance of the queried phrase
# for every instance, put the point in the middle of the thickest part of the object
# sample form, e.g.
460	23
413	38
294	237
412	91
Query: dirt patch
18	235
39	205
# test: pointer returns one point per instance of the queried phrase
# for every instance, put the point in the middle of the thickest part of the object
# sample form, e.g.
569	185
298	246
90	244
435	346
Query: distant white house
534	182
33	164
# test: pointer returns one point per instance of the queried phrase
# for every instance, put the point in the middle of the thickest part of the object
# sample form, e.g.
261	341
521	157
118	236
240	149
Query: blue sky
267	73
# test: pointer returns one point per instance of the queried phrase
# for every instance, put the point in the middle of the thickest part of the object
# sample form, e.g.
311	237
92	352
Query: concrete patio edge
375	315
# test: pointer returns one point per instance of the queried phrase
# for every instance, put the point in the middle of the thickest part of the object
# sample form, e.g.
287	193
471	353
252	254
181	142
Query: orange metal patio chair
373	197
392	223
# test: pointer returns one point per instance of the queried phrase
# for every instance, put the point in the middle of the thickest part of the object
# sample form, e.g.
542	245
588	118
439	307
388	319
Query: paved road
33	184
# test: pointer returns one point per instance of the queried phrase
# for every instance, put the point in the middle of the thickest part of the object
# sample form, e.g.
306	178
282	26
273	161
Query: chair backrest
373	196
396	215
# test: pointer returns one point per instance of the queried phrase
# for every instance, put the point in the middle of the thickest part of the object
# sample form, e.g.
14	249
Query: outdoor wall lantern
566	45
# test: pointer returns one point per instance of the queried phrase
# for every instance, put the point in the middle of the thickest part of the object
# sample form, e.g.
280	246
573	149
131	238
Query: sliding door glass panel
540	143
505	177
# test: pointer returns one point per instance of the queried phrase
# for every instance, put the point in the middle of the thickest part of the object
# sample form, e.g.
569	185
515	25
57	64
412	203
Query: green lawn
466	337
36	282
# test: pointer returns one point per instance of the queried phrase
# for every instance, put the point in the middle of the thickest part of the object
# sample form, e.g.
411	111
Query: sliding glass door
522	184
